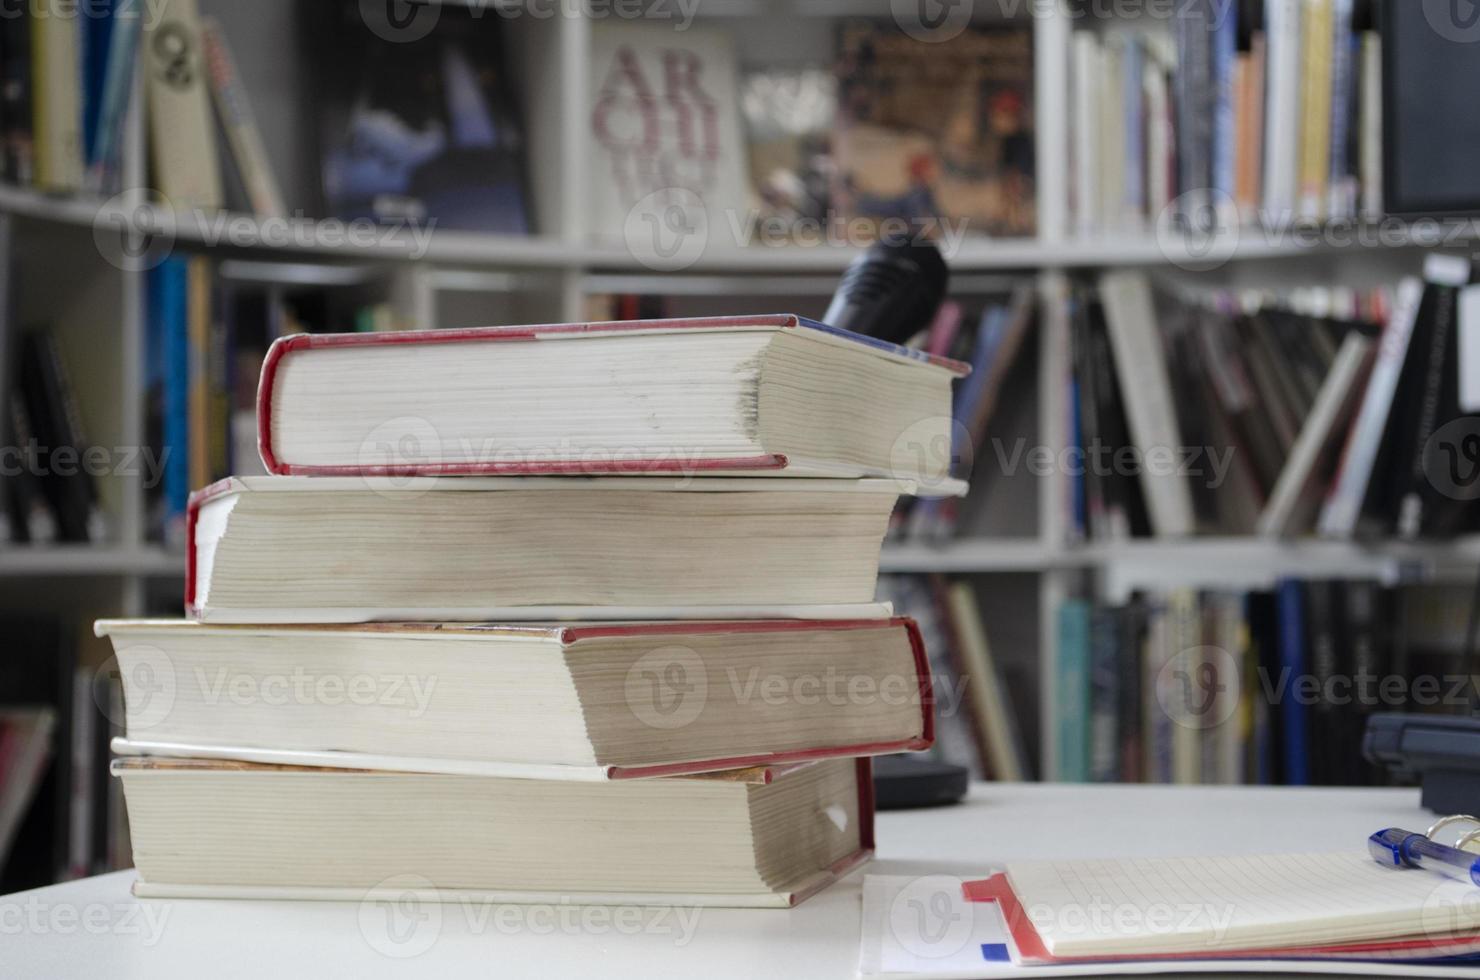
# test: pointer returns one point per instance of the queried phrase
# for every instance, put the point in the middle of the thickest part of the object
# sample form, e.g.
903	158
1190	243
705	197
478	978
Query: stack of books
576	613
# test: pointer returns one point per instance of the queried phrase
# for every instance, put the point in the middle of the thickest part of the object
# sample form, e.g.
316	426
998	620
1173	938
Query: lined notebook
1193	905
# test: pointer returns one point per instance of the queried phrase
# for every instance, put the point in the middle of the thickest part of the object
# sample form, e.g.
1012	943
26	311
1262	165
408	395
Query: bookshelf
72	276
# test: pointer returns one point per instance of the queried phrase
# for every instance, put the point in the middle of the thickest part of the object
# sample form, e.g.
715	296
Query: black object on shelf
903	783
891	292
1441	751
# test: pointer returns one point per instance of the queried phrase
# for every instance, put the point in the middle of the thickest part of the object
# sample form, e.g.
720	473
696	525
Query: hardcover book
725	394
353	549
755	837
588	701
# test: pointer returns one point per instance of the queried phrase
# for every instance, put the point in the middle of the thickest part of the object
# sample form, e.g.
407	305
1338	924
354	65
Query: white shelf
83	561
240	234
1193	559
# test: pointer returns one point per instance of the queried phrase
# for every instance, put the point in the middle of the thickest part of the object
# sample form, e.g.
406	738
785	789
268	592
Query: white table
94	928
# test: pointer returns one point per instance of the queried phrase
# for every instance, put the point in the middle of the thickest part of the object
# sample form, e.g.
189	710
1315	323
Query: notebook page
1202	904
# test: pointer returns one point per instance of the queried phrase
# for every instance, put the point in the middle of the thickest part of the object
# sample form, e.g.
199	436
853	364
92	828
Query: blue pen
1396	848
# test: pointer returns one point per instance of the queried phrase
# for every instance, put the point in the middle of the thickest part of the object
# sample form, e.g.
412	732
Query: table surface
94	928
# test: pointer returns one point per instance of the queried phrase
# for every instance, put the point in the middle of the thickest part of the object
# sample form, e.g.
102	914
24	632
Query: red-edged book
745	394
766	836
589	702
285	549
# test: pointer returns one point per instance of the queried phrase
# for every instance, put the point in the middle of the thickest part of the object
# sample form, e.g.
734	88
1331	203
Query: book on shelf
767	836
26	746
1212	685
940	132
1240	112
35	681
421	131
1315	411
726	395
980	701
666	141
577	701
186	168
234	109
1392	478
56	89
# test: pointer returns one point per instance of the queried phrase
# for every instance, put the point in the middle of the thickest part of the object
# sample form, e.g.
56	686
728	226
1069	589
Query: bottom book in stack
766	836
679	763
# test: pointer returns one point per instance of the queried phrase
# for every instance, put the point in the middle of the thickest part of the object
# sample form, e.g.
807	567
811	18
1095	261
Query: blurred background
1209	258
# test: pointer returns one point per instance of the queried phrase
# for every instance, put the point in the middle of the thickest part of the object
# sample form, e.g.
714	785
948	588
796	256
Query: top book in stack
762	395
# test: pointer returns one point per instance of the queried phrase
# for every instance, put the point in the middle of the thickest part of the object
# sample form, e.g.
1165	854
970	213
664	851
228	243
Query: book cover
17	135
421	131
186	169
1072	691
667	145
1294	668
56	88
937	131
240	123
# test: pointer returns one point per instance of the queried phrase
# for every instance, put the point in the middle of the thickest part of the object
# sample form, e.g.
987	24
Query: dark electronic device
891	292
1443	751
